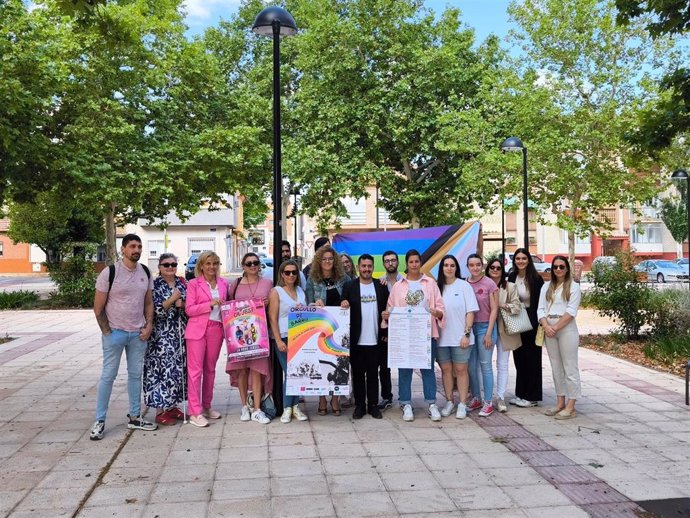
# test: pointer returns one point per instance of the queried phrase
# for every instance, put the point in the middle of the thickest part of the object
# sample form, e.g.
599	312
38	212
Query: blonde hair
202	259
567	282
316	274
289	262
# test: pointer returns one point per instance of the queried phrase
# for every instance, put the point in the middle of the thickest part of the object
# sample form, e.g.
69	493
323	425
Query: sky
485	16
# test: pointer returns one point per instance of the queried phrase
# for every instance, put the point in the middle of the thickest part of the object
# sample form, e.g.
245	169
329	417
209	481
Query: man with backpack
124	310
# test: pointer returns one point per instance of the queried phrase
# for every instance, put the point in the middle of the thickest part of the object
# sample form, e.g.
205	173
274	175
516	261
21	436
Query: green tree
579	87
675	216
669	114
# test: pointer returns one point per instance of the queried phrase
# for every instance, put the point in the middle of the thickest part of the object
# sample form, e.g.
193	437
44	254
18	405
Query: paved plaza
630	444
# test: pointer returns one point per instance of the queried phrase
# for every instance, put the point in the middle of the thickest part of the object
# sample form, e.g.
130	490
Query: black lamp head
263	25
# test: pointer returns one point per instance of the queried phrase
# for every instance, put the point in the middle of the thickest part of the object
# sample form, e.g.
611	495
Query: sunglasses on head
290	272
252	263
168	265
559	267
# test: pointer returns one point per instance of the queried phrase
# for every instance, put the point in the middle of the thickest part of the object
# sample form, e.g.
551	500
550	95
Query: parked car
683	262
662	270
604	260
189	267
540	265
266	262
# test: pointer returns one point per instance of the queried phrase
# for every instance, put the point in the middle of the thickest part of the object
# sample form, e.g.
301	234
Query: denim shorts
454	354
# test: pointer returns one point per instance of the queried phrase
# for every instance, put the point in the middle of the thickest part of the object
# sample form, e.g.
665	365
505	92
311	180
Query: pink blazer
198	305
431	293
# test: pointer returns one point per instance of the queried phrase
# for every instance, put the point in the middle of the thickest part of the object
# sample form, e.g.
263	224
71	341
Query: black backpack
111	274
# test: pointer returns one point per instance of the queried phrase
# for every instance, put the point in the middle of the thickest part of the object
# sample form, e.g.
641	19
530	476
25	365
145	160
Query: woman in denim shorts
456	338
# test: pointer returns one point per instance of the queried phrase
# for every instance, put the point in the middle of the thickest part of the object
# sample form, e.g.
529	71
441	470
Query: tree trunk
110	243
571	248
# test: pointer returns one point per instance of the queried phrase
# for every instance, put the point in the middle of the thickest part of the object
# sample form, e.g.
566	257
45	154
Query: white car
540	265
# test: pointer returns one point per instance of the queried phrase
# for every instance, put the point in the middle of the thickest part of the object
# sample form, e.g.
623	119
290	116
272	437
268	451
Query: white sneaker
524	403
501	406
461	413
299	415
260	417
434	414
408	414
287	415
246	415
447	409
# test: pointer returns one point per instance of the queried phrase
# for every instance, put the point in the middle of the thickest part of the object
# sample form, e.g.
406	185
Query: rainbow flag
433	243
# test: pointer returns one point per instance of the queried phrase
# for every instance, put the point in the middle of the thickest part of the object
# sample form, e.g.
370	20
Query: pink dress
257	290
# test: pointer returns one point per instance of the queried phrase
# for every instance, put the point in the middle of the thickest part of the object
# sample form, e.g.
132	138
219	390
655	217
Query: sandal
553	411
336	411
323	410
565	414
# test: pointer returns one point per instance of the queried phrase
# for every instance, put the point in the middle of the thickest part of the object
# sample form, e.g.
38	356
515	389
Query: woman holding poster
251	286
325	288
286	295
204	335
417	290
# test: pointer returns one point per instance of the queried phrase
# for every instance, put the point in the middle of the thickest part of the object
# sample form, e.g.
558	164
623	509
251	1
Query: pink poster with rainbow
246	330
318	351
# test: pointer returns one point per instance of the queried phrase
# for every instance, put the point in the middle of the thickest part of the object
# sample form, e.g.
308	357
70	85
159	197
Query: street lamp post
515	144
682	174
276	21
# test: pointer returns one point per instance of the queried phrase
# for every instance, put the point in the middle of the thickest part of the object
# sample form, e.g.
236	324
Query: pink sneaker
474	404
487	409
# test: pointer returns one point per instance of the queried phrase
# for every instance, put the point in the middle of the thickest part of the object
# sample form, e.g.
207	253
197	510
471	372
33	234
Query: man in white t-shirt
366	299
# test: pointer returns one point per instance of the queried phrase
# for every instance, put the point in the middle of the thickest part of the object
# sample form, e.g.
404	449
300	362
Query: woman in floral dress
164	363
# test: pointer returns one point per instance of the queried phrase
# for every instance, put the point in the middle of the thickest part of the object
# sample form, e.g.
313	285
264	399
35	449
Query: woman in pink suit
204	334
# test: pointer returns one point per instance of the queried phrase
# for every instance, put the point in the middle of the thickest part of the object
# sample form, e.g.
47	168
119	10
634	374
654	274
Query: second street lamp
682	174
515	144
276	21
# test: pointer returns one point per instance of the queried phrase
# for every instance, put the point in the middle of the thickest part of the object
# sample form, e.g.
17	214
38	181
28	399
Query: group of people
172	332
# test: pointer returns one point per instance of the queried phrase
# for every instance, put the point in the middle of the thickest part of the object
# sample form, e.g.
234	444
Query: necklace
249	285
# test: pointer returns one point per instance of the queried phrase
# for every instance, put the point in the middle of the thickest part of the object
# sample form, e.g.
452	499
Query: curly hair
316	274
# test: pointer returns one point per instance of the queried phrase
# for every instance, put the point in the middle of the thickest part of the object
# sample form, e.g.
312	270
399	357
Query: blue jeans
482	355
288	401
113	345
428	381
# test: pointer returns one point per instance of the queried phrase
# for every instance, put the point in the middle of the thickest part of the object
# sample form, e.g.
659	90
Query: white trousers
502	360
562	350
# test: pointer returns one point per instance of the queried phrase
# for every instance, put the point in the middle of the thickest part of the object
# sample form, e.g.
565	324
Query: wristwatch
467	334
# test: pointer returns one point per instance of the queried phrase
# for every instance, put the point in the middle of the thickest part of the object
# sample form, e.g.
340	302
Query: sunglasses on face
292	273
559	267
495	268
252	263
168	265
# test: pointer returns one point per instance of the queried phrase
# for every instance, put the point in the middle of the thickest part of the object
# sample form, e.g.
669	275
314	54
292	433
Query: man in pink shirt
124	310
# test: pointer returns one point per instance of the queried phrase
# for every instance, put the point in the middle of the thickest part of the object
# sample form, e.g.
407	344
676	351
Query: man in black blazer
367	300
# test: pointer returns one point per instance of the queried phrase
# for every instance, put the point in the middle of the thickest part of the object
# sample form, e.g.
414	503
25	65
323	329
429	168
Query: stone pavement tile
356	482
335	438
11	480
290	439
398	464
386	449
77	479
185	458
302	506
138	458
425	501
243	454
192	473
48	447
435	447
591	455
7	450
181	492
13	434
504	513
47	499
613	510
295	467
173	510
674	453
364	504
347	465
484	445
481	497
411	481
52	435
106	495
289	451
504	459
8	499
241	488
251	507
385	436
328	451
412	433
294	486
237	470
196	443
245	439
562	511
446	461
34	461
670	426
651	489
53	513
511	476
460	478
566	443
125	476
538	495
32	415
